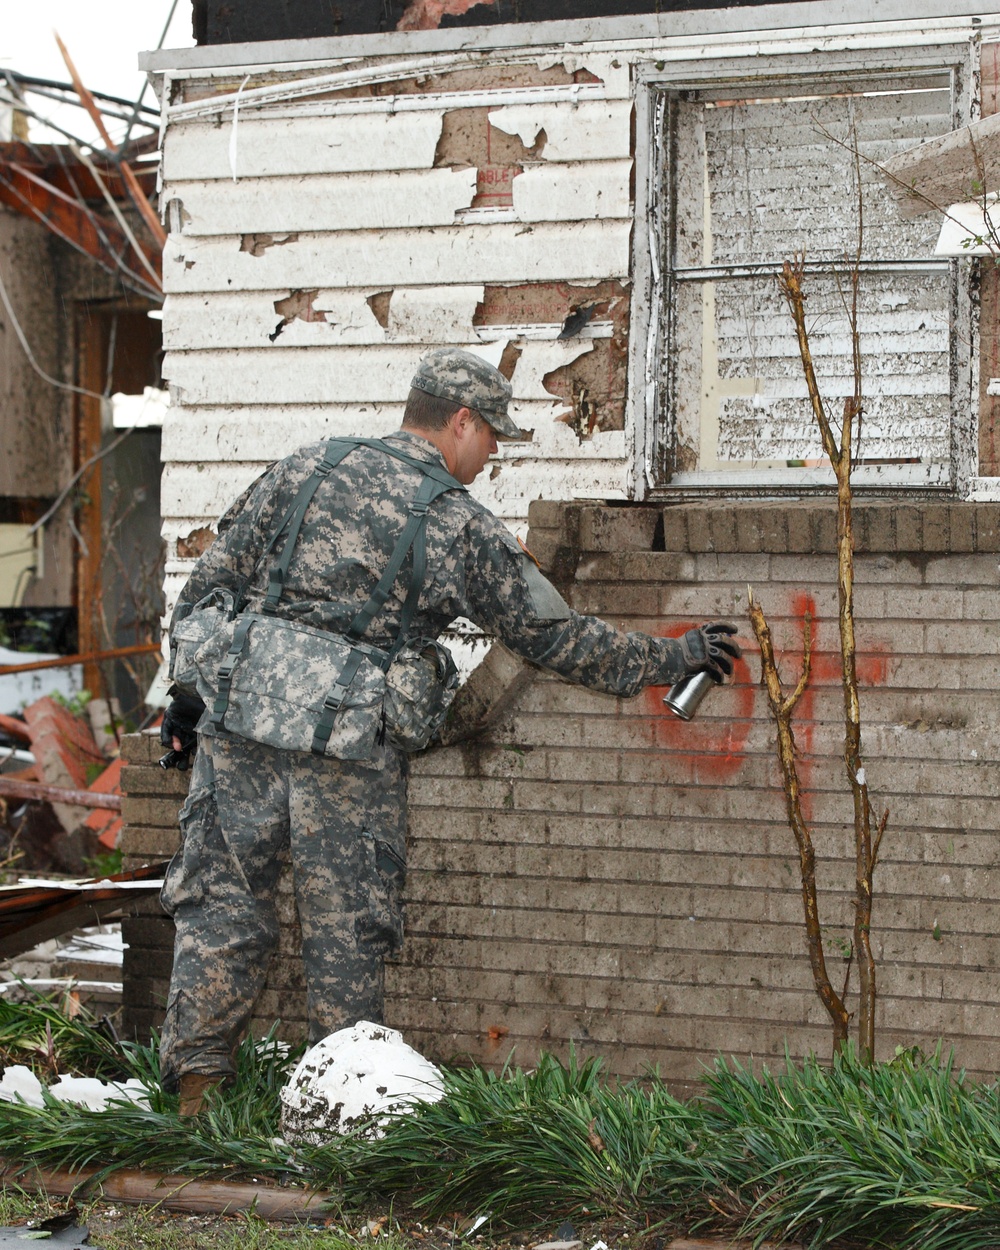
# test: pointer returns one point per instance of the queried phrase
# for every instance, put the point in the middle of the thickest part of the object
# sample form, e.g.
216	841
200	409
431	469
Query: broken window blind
758	180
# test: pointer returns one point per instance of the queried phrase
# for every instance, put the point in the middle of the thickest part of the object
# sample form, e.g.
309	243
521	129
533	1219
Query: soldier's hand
711	649
178	730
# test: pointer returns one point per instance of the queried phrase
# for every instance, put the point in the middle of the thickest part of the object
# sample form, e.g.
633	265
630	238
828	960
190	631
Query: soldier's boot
194	1087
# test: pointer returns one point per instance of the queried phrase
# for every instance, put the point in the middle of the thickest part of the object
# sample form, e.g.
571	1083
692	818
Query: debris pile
62	807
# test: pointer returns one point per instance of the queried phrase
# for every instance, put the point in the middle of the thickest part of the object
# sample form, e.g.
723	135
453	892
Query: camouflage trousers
250	807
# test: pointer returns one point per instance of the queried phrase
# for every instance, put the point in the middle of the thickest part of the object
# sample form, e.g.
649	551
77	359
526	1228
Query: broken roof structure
80	247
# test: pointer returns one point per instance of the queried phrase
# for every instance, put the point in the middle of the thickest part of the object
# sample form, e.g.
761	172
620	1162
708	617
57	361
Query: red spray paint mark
709	750
713	750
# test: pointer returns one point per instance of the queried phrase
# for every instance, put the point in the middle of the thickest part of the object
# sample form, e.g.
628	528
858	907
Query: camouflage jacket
475	569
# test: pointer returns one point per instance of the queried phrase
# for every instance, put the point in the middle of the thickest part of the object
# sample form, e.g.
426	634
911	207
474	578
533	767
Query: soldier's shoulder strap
436	481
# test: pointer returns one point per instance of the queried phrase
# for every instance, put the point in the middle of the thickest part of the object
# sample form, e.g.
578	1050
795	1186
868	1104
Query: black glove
711	649
179	721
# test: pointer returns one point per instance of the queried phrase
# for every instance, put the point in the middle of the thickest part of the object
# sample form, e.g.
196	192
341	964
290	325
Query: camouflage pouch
419	688
190	633
292	686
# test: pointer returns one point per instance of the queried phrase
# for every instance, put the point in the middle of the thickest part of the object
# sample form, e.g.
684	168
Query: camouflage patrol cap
467	379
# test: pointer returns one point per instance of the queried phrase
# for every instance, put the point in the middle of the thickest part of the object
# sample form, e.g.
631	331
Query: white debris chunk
21	1083
356	1078
88	1091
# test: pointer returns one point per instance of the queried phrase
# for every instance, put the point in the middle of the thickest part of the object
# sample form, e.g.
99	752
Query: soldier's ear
463	418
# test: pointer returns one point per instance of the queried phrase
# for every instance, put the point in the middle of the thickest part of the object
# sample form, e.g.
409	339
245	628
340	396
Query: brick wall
591	870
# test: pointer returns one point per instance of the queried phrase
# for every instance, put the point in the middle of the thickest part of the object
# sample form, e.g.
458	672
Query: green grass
903	1155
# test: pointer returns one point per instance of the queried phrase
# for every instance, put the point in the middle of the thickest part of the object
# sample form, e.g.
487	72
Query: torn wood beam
135	191
56	164
35	911
90	657
950	169
14	728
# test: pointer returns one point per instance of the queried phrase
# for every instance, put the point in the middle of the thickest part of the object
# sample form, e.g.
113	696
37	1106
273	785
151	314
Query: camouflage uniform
344	822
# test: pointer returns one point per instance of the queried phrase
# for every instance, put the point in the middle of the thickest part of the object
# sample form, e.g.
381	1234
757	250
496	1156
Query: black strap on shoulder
414	535
335	451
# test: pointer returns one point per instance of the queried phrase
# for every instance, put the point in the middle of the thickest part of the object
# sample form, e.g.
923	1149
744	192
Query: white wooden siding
497	253
270	324
359	201
299	146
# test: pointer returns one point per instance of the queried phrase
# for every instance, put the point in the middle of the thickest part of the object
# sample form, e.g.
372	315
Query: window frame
653	304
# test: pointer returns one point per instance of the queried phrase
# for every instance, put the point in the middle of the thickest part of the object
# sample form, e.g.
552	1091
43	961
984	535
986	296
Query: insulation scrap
19	1084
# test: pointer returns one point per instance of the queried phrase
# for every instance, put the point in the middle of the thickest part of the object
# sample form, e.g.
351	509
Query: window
745	181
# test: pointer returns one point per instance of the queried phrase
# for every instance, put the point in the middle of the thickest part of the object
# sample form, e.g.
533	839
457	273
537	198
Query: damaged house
600	204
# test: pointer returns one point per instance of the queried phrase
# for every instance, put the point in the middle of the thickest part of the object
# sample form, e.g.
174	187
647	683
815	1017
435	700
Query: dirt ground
117	1227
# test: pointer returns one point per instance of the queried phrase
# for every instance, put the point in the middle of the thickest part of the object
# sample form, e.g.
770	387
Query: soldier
342	821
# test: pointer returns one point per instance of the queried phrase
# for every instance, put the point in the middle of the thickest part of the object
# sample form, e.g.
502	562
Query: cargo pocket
386	876
183	882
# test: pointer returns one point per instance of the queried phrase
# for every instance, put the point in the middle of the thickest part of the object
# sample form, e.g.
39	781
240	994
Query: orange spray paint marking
708	750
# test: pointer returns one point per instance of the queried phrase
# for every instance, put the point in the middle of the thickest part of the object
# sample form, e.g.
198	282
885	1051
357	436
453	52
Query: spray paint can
684	696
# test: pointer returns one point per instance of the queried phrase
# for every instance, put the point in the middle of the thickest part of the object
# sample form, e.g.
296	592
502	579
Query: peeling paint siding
538	359
513	489
573	192
417	315
433	314
361	201
583	132
558	252
203	489
248	319
265	432
283	376
357	201
291	146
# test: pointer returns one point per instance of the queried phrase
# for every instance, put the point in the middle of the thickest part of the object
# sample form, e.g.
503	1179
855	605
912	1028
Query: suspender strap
332	702
416	524
225	676
336	450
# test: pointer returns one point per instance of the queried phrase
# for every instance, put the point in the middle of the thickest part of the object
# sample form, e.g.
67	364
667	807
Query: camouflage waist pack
299	688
